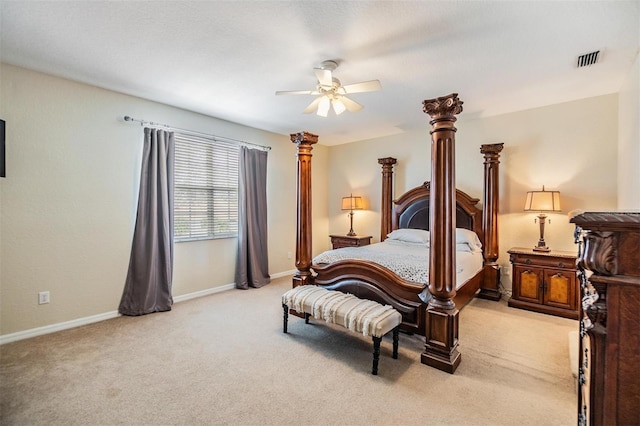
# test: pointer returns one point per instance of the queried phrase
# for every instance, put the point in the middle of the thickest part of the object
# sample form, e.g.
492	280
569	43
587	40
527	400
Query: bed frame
435	205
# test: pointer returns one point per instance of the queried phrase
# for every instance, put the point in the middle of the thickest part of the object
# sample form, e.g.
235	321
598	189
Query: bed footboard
371	281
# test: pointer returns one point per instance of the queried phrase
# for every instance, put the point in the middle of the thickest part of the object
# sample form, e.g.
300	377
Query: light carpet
223	359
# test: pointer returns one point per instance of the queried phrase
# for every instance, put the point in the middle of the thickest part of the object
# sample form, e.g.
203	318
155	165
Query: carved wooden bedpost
490	283
441	331
304	142
387	195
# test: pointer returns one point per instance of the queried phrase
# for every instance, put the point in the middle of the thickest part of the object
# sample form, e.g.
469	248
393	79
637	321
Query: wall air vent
588	59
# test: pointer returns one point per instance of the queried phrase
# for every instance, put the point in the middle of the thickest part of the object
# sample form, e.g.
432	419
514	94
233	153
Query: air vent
588	59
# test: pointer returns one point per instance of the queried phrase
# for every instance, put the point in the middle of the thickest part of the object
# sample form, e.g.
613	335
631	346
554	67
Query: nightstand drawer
545	260
340	241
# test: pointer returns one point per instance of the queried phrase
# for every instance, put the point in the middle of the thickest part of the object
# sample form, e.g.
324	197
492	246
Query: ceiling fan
331	93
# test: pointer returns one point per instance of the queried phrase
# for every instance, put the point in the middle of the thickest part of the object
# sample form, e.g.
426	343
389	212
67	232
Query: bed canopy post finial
441	329
387	195
490	288
304	141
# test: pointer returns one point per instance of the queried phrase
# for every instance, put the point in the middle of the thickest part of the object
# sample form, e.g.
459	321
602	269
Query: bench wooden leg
285	318
376	354
306	318
396	335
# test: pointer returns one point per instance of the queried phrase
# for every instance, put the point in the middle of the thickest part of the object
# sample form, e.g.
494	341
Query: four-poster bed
436	206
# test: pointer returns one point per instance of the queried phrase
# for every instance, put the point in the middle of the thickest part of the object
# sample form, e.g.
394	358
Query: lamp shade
352	203
542	201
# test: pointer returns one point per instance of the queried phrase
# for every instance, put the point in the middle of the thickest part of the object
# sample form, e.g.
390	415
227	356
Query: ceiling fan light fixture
332	92
323	106
338	106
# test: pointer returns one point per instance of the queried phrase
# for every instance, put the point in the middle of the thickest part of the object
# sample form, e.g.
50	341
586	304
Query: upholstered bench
362	316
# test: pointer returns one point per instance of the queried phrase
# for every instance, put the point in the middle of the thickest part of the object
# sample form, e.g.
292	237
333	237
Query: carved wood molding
610	221
444	107
600	253
491	151
304	137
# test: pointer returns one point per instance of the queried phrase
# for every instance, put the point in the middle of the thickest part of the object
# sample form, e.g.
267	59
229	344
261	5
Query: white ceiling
227	58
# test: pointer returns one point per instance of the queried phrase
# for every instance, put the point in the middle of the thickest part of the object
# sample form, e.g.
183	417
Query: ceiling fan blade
297	92
324	77
350	104
365	86
313	105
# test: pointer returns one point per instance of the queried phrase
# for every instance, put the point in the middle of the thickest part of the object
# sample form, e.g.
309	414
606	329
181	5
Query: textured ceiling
226	59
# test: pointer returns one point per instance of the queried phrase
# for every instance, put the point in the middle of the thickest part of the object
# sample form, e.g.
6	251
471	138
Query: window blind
206	188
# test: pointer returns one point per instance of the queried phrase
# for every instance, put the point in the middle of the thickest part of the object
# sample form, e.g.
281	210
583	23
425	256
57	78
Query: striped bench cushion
363	316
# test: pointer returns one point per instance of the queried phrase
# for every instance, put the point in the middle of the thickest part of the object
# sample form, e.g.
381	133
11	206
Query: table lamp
542	202
351	203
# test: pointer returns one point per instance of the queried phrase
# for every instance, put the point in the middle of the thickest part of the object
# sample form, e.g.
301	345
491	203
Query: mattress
408	261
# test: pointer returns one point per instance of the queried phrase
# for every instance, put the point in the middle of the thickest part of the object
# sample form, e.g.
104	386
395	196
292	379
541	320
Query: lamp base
542	245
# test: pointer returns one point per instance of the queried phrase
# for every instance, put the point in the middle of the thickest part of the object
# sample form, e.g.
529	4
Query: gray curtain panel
148	285
252	264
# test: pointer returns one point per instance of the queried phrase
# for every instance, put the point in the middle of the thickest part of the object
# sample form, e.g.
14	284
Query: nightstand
340	241
545	282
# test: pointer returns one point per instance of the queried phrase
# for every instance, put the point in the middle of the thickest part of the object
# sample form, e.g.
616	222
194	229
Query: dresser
340	241
609	275
544	282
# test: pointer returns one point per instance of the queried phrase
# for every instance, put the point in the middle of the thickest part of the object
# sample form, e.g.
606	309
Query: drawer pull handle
528	261
560	265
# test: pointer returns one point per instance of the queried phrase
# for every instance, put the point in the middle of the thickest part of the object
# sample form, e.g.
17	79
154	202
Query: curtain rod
193	132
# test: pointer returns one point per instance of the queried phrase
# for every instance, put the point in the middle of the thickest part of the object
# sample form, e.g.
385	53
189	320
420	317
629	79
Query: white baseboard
283	274
201	293
39	331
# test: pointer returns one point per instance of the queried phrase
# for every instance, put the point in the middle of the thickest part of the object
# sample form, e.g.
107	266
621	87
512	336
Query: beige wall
68	202
570	147
629	141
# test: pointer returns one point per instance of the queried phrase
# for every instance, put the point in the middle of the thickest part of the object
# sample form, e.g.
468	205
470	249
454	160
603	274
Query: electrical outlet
43	297
288	255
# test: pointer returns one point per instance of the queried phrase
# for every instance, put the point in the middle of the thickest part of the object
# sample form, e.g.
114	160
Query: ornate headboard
411	210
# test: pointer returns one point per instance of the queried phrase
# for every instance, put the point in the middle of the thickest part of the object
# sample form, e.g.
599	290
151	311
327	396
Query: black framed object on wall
3	170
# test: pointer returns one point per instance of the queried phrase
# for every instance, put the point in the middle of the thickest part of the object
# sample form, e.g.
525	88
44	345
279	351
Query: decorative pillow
409	235
465	236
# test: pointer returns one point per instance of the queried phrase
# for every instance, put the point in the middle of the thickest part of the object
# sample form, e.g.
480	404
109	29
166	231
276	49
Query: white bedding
409	261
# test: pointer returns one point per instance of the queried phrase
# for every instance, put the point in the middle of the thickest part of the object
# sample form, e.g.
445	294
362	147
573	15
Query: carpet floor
223	359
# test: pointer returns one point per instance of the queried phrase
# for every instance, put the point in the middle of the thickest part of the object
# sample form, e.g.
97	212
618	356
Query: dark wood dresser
609	274
340	241
545	282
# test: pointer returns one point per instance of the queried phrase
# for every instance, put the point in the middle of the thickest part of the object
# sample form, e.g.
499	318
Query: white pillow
463	247
465	236
409	235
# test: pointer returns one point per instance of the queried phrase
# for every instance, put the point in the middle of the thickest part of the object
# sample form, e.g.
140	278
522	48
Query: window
206	189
